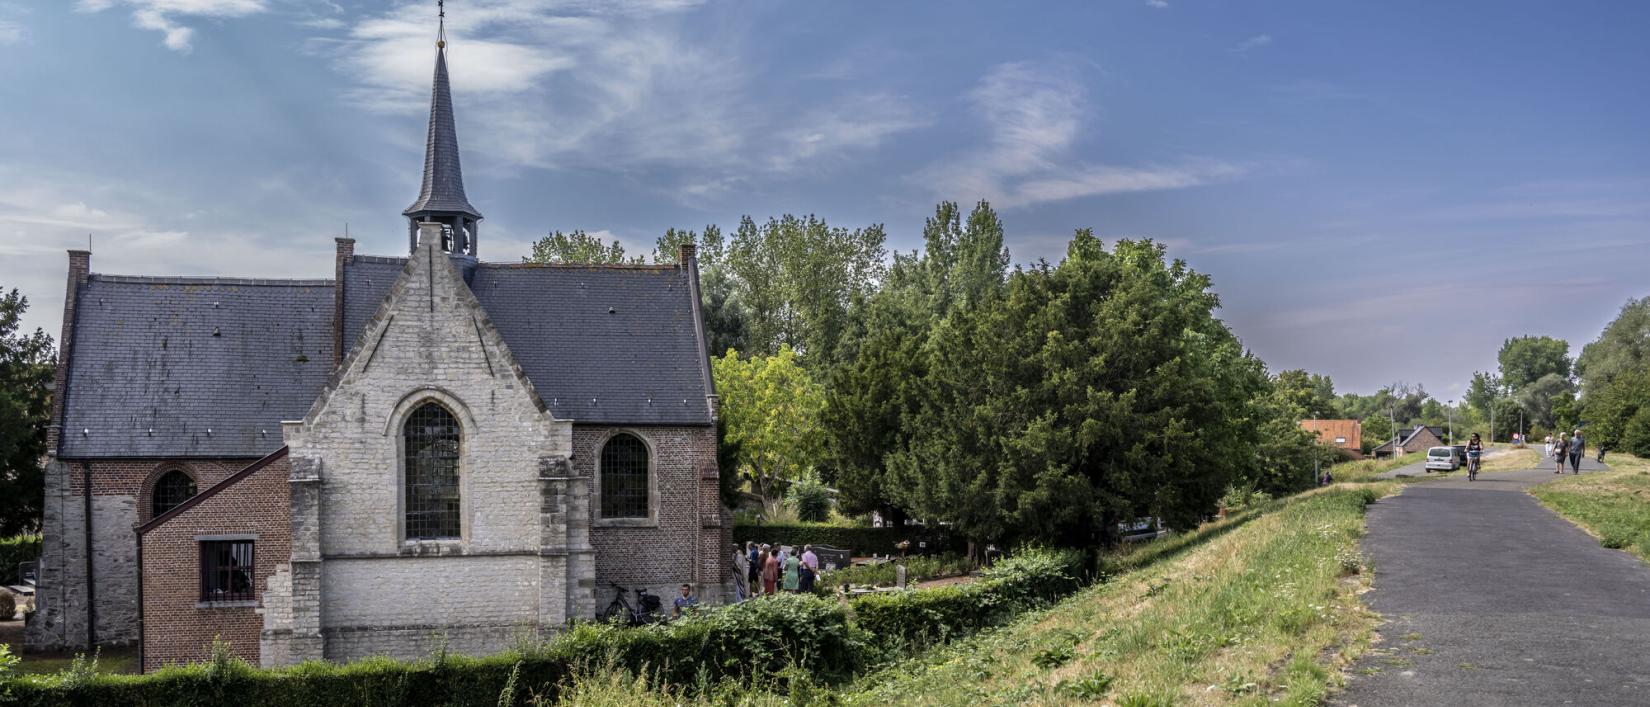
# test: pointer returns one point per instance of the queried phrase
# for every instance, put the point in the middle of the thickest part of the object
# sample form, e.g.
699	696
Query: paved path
1420	468
1490	599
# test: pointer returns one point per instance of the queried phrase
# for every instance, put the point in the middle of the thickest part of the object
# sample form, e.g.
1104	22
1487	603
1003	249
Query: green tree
797	279
962	263
1091	392
771	406
25	410
1623	347
719	300
1542	397
1484	389
577	247
1527	359
1312	396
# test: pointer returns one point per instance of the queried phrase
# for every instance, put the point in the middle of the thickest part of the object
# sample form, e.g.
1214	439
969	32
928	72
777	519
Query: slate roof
181	356
601	344
443	189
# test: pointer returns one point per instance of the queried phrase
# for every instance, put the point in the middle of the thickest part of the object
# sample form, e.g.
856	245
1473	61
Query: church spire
442	199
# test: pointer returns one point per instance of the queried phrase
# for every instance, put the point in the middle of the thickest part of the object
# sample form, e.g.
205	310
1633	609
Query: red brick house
1346	435
427	448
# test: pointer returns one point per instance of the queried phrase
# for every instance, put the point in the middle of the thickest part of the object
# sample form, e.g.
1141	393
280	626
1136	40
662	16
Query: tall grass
1262	612
1613	506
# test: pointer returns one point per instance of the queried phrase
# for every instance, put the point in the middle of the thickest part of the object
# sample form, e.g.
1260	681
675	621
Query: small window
226	570
431	439
173	487
1340	440
624	478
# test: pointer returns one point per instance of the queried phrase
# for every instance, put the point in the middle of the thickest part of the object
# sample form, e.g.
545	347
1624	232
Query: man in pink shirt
810	569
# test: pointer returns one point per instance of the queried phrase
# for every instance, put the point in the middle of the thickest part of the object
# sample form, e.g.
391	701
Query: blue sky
1381	191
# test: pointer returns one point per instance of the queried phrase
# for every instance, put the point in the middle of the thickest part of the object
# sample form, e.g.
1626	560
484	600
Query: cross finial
441	24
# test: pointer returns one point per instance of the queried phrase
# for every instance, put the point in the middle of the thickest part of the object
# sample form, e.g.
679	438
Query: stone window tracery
431	439
172	488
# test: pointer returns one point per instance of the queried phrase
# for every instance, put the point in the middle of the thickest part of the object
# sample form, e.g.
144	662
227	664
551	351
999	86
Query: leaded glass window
173	487
430	440
625	486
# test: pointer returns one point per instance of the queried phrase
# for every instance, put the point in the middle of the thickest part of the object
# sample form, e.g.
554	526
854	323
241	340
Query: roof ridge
579	266
209	280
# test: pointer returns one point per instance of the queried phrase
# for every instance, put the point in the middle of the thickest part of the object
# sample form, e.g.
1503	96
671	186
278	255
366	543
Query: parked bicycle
644	610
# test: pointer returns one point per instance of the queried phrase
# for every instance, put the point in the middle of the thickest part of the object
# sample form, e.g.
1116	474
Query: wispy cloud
1253	43
1159	4
164	15
1034	115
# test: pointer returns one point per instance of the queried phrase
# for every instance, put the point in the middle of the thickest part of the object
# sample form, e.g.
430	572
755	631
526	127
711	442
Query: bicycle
644	611
1472	466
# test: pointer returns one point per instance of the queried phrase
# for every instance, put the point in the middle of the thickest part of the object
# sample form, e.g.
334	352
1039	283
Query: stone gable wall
356	587
179	628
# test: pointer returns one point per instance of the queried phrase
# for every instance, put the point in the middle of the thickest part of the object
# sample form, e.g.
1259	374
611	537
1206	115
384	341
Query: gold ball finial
440	44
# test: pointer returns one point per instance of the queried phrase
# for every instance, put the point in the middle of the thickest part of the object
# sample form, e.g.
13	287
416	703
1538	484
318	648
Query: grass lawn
1265	611
109	660
1614	506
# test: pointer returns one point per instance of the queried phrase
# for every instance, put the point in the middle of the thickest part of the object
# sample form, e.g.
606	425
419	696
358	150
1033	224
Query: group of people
766	570
1560	449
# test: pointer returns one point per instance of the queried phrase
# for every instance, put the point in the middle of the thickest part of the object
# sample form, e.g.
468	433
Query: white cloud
1034	114
10	32
1255	42
161	15
1159	4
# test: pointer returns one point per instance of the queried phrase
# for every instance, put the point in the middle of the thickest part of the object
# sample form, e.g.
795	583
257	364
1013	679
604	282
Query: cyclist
1475	449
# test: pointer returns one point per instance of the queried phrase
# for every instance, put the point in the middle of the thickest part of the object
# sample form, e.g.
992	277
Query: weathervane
441	24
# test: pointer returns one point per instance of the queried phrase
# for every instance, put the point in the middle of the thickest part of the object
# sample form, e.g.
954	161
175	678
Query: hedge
862	541
14	550
755	638
916	618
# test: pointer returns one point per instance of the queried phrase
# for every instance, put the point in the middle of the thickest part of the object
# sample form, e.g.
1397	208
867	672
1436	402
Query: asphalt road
1490	599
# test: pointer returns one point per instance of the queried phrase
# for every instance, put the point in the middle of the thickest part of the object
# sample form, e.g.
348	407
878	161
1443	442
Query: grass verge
1613	506
1266	612
1367	469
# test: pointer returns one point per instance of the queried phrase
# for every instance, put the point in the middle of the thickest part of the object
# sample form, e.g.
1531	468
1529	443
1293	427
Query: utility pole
1449	415
1392	419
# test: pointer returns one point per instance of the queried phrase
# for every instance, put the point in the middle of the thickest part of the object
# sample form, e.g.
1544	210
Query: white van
1442	459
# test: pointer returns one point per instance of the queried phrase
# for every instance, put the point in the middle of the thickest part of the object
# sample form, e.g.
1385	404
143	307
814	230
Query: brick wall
178	628
120	501
677	547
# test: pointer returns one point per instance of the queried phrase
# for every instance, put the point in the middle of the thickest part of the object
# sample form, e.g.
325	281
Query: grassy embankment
1366	469
1613	506
1258	608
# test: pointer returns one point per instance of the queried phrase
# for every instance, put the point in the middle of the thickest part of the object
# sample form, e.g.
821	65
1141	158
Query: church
426	452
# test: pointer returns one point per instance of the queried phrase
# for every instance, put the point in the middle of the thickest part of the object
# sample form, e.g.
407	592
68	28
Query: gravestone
831	558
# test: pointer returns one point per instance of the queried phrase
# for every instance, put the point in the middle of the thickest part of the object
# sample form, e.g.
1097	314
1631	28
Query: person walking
741	574
793	573
810	569
1549	448
754	567
1560	451
770	573
1578	447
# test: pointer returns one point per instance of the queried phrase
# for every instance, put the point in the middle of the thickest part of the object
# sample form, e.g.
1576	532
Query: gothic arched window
625	486
430	440
172	488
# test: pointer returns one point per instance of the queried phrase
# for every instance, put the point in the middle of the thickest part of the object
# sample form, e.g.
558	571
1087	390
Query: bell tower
441	199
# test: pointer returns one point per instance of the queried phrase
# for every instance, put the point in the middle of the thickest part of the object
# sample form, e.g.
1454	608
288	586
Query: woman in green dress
792	574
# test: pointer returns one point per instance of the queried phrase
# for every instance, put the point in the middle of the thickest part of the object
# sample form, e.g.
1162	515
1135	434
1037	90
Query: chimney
80	268
687	254
345	250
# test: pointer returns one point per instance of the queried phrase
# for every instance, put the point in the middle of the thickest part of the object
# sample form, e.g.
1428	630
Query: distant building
1419	439
1347	435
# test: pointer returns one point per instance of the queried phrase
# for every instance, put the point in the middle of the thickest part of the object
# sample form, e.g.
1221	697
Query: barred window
431	438
226	570
624	478
173	487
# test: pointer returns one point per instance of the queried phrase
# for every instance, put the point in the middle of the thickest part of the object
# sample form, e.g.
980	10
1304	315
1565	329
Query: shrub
811	499
917	569
1029	580
8	606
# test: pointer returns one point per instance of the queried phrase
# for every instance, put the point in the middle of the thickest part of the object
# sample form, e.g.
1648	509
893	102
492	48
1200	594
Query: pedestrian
741	574
1549	449
770	573
685	602
1578	447
754	566
793	573
810	569
1559	452
782	555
